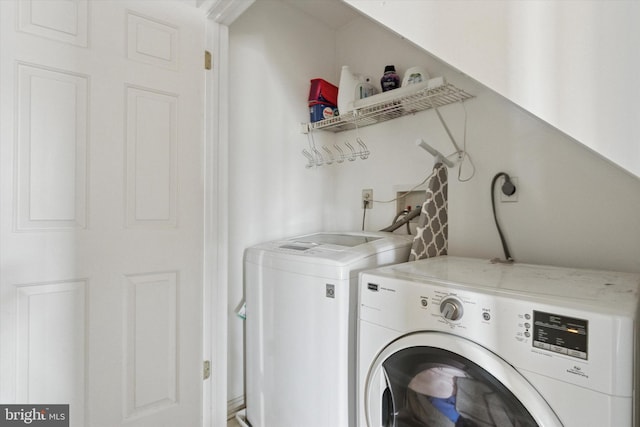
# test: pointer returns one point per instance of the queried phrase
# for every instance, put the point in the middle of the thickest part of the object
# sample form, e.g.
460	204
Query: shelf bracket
446	128
439	157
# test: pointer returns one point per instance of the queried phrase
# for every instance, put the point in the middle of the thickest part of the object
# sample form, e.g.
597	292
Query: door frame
220	14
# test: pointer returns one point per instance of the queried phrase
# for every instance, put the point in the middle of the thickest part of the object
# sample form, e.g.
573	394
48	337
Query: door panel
49	314
152	142
101	228
51	174
151	347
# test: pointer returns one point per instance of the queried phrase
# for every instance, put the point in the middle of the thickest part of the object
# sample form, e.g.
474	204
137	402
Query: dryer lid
334	239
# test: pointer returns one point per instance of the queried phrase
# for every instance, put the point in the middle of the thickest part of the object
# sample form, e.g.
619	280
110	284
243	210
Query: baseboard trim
234	405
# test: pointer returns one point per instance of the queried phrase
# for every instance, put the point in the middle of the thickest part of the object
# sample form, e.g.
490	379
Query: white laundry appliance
453	341
301	312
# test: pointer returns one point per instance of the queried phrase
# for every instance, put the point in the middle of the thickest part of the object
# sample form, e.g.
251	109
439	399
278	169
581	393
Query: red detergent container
323	100
323	91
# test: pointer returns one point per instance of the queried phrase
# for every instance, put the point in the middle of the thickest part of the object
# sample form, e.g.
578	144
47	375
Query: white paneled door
101	209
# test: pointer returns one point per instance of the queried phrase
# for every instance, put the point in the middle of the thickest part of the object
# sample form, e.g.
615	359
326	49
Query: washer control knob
451	309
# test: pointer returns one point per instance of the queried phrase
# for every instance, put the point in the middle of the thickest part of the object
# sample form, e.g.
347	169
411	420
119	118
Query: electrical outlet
367	196
514	196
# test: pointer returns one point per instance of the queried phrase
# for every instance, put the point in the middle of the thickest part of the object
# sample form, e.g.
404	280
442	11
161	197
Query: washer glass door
440	380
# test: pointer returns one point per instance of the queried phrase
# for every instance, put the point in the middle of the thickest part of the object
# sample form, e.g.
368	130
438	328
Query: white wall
574	208
272	195
572	63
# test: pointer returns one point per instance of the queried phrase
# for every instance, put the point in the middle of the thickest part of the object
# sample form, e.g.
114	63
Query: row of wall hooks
317	158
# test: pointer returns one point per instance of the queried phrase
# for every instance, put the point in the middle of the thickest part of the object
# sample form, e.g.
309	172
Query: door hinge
206	371
207	60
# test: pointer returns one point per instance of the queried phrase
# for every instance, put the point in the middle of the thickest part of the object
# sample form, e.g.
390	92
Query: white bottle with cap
346	90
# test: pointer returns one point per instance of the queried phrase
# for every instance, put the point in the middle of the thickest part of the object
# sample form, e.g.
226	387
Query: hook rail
315	157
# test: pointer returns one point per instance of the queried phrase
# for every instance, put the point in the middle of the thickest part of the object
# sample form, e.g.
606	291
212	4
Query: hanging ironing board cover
432	231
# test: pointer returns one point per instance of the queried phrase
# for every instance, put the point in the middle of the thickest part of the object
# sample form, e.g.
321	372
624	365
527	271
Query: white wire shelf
392	107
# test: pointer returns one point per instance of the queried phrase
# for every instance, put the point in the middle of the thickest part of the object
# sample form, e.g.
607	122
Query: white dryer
462	342
301	296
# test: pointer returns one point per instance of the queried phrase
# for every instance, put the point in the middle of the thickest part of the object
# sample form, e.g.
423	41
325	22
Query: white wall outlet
514	196
367	197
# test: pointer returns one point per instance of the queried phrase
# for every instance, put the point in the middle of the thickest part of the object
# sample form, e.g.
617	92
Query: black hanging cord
364	212
508	188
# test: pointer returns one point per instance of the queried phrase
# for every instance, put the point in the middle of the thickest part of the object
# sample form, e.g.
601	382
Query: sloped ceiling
574	64
332	13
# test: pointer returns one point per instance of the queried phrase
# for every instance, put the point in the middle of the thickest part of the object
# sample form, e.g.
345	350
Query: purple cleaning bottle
390	80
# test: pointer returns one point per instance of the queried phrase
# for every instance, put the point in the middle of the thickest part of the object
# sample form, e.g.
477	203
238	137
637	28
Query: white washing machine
462	342
301	311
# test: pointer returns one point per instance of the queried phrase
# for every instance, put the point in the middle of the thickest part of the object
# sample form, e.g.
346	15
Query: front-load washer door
440	380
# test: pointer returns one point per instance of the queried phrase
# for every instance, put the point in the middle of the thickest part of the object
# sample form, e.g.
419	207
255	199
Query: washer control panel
478	315
542	330
560	334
